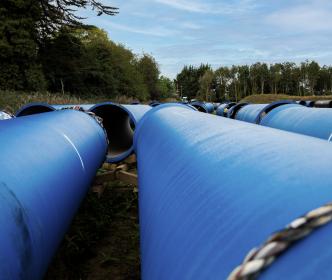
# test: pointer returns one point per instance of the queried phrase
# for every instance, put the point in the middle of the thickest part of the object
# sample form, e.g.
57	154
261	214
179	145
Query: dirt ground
103	241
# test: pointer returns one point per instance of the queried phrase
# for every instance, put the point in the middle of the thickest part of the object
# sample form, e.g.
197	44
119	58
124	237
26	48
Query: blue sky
221	32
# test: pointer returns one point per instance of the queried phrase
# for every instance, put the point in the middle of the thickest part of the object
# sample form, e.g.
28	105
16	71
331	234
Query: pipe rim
232	111
267	109
200	105
123	155
34	105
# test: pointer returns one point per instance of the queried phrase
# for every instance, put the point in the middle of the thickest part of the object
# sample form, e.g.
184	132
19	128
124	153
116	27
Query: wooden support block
131	159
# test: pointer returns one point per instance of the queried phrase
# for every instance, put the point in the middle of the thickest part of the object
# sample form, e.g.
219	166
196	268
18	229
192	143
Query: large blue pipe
221	188
232	111
316	122
253	113
119	122
47	164
323	104
203	106
223	109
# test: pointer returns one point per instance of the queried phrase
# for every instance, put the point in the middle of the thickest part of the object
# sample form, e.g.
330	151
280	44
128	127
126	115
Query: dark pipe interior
36	109
119	126
199	108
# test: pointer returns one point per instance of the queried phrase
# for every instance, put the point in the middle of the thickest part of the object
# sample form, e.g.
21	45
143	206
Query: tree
27	26
244	79
148	67
166	88
222	77
59	13
19	65
205	85
313	74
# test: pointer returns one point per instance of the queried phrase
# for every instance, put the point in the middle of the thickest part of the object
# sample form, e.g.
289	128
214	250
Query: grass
103	240
268	98
11	101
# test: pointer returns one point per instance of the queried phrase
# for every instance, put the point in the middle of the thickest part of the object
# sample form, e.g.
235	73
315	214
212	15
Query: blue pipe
203	106
48	162
232	111
221	188
310	103
316	122
223	109
323	104
119	122
253	113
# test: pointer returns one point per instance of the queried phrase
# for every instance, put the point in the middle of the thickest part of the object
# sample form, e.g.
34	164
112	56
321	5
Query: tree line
45	46
237	82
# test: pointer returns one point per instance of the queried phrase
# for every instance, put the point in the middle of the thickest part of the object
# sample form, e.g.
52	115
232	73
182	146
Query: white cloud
191	25
303	18
158	31
196	6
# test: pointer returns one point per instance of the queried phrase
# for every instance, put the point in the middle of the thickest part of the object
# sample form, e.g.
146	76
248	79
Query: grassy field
268	98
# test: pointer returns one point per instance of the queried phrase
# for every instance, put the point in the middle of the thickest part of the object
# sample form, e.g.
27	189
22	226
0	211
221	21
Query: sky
221	32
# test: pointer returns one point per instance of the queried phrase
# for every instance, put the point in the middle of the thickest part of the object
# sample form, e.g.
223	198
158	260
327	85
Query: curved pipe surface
203	106
232	111
47	164
300	119
204	209
254	113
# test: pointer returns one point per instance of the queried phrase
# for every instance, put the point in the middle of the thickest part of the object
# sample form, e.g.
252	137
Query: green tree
166	88
19	65
148	67
313	75
205	86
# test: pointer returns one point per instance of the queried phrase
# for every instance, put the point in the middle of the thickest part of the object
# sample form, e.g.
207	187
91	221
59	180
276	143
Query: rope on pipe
258	259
